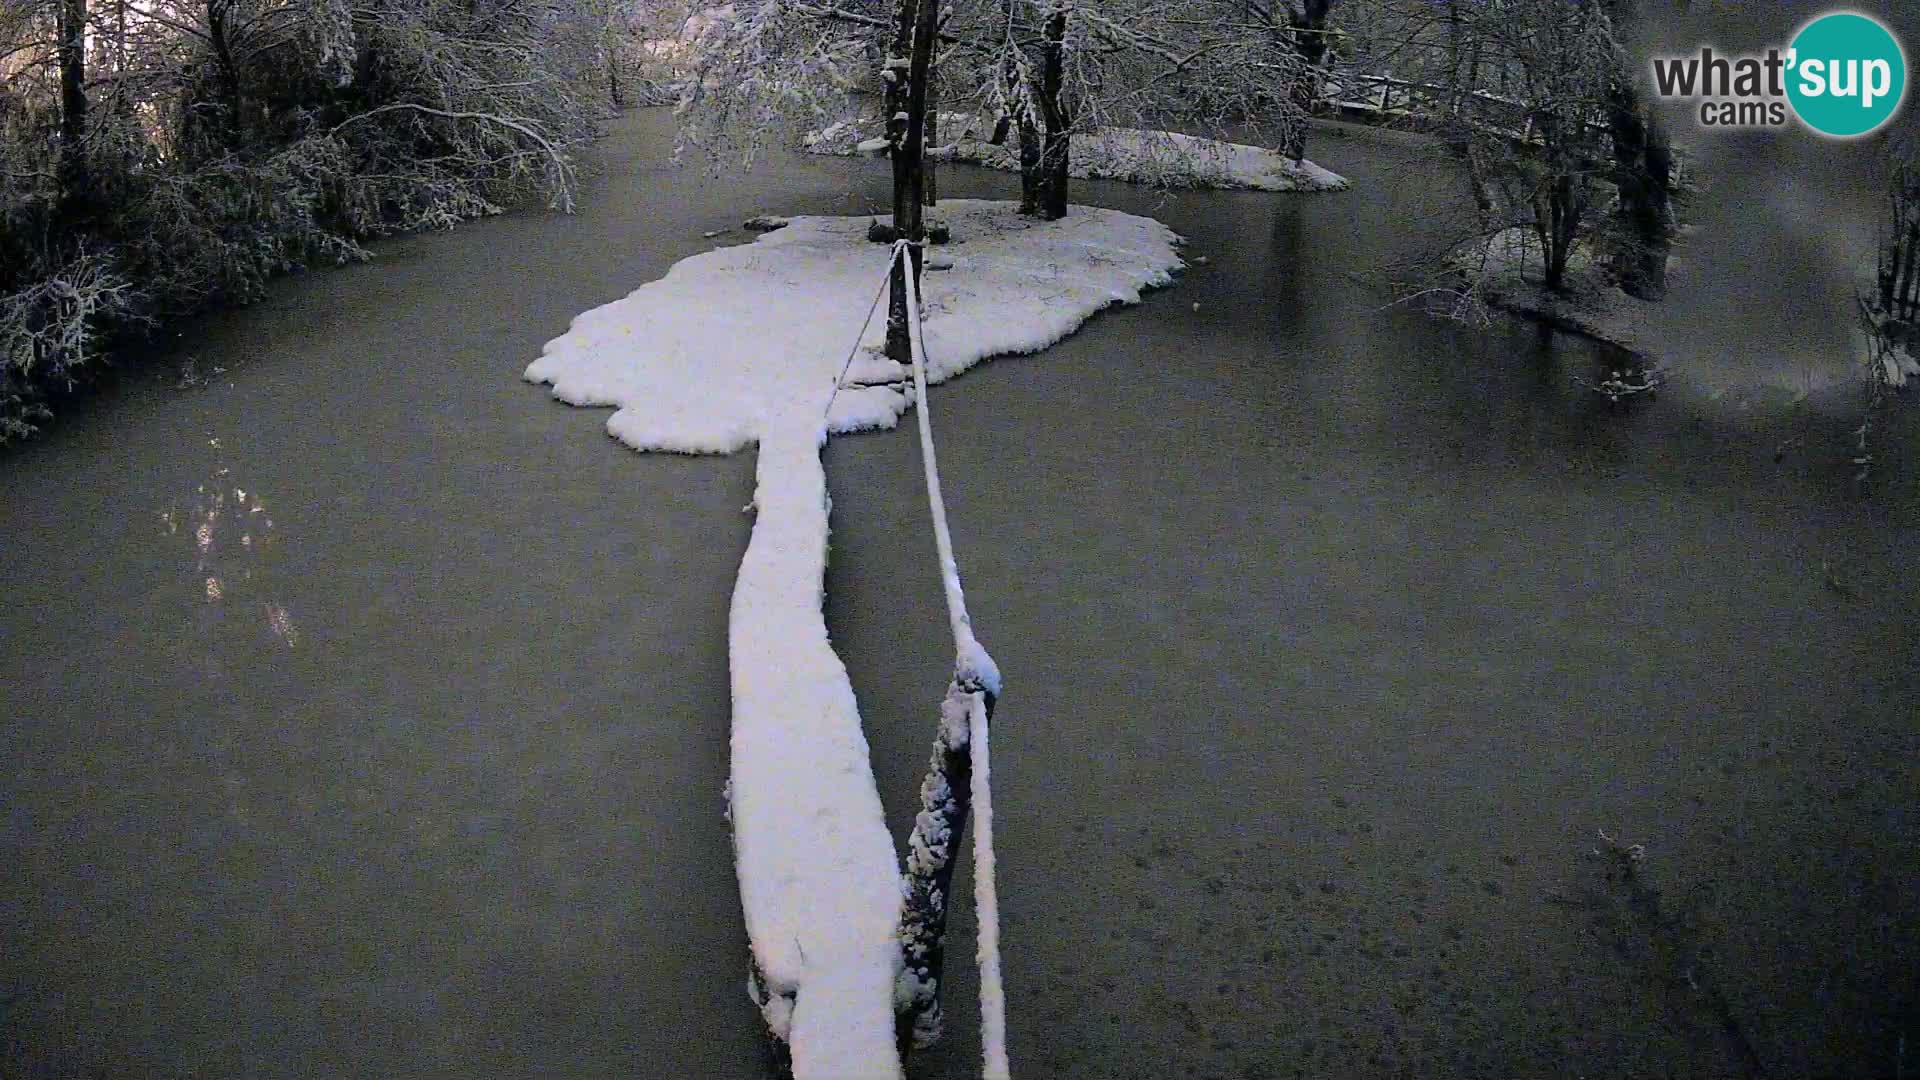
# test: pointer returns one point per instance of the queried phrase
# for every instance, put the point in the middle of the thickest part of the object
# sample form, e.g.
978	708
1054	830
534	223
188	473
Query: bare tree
777	68
1046	71
907	91
764	74
1144	65
1303	27
1537	155
75	184
1642	177
1541	103
1897	296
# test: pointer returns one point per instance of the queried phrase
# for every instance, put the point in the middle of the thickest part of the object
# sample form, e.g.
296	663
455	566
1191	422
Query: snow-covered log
932	850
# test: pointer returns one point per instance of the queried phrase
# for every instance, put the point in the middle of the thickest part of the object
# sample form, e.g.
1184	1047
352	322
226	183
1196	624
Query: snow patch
1135	155
1899	365
1508	270
744	345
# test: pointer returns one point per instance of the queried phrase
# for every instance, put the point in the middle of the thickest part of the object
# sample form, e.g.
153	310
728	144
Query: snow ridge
819	885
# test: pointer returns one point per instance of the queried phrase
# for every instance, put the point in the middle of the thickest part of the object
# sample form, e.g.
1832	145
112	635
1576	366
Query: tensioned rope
993	1002
857	338
968	680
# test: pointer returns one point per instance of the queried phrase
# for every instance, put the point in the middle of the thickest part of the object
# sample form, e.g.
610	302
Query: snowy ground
1134	155
746	345
1510	273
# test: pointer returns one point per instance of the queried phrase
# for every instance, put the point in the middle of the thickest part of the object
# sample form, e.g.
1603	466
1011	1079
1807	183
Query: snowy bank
1506	271
745	345
1509	272
1895	363
1163	158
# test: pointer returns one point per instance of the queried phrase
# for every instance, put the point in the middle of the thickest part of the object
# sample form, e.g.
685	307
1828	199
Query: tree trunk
1907	292
1462	75
1310	36
1888	271
76	184
1055	156
919	119
1543	232
929	183
1643	175
909	157
1456	59
898	73
1029	168
1643	171
1478	180
1056	146
1308	32
229	72
1887	267
1563	226
614	93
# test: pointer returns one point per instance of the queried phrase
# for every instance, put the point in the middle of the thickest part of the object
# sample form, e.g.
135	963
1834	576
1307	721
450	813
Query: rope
993	1004
986	903
957	618
857	339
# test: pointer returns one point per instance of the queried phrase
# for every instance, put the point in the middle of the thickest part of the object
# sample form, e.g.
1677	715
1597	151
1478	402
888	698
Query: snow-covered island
746	345
1507	270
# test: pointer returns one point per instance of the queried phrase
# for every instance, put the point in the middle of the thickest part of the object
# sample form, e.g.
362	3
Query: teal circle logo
1846	75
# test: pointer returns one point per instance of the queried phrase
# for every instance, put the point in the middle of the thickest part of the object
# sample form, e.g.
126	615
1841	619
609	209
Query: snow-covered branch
559	164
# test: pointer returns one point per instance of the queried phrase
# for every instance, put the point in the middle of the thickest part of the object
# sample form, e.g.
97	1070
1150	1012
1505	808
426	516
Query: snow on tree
331	39
1043	70
1641	232
1049	70
1541	102
1890	312
159	156
761	72
1520	94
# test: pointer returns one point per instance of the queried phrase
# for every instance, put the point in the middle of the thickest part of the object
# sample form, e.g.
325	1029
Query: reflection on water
232	540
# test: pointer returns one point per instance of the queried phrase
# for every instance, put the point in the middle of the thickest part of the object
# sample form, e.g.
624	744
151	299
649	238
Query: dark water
1332	636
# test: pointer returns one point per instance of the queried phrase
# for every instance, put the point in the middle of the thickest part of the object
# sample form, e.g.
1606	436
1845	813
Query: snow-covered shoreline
743	345
1135	155
1508	274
